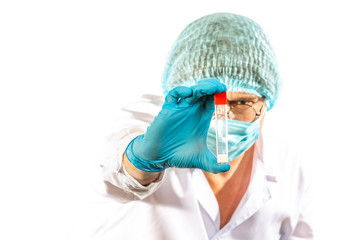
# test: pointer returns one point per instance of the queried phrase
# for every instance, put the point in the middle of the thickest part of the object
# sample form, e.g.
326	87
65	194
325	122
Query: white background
66	68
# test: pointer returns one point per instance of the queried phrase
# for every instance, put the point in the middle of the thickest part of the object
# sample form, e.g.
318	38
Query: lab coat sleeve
303	229
133	120
304	226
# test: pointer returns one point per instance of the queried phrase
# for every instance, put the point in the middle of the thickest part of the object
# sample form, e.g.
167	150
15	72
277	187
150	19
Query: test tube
221	127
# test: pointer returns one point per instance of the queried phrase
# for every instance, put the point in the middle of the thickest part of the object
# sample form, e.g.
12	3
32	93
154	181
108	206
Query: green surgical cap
229	47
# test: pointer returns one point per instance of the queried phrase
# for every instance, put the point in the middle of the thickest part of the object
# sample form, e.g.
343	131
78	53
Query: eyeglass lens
244	113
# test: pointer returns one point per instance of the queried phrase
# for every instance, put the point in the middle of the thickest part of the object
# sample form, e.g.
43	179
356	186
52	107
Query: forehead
236	96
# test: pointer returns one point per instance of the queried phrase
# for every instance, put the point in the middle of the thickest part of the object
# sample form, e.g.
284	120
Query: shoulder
285	152
146	104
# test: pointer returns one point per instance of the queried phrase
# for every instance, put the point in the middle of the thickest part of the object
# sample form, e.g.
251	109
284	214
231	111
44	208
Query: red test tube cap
220	98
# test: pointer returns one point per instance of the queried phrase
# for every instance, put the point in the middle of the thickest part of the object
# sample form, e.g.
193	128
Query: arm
132	120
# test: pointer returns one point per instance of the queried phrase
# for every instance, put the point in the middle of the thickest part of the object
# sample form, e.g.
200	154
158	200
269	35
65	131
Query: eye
244	102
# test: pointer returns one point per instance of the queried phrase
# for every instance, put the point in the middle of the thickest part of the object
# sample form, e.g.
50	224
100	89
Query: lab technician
161	167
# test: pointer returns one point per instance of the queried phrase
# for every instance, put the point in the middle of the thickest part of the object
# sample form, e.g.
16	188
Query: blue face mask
241	136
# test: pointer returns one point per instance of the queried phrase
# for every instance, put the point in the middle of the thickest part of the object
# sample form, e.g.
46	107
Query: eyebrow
245	98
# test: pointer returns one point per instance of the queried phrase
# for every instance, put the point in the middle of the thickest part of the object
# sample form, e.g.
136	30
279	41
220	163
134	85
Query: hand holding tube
177	136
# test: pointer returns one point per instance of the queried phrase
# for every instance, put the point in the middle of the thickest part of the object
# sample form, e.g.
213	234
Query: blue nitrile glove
177	136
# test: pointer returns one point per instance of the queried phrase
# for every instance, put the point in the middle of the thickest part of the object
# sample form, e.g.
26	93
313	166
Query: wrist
141	163
144	178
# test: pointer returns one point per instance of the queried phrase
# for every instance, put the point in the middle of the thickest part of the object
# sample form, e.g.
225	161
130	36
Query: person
161	168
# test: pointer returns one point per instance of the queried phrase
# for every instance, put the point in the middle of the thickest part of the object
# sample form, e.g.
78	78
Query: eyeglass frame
257	115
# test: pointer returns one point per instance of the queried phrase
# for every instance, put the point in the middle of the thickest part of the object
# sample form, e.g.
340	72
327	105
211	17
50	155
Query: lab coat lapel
258	193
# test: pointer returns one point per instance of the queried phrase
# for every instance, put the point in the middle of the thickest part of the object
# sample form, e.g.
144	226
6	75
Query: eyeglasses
245	112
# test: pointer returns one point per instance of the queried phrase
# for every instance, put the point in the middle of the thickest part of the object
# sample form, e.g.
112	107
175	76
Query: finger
208	87
212	165
220	167
202	101
210	105
177	94
207	108
205	87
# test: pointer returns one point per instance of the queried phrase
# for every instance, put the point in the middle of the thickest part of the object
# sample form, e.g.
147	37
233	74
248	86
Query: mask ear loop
263	109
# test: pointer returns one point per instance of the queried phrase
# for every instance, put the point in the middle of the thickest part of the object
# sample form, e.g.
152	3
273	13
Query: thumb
212	165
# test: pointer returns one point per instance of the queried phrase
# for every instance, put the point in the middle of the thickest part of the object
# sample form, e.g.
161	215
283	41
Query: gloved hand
177	136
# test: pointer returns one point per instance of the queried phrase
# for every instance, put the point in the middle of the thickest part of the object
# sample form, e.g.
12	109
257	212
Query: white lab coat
180	204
